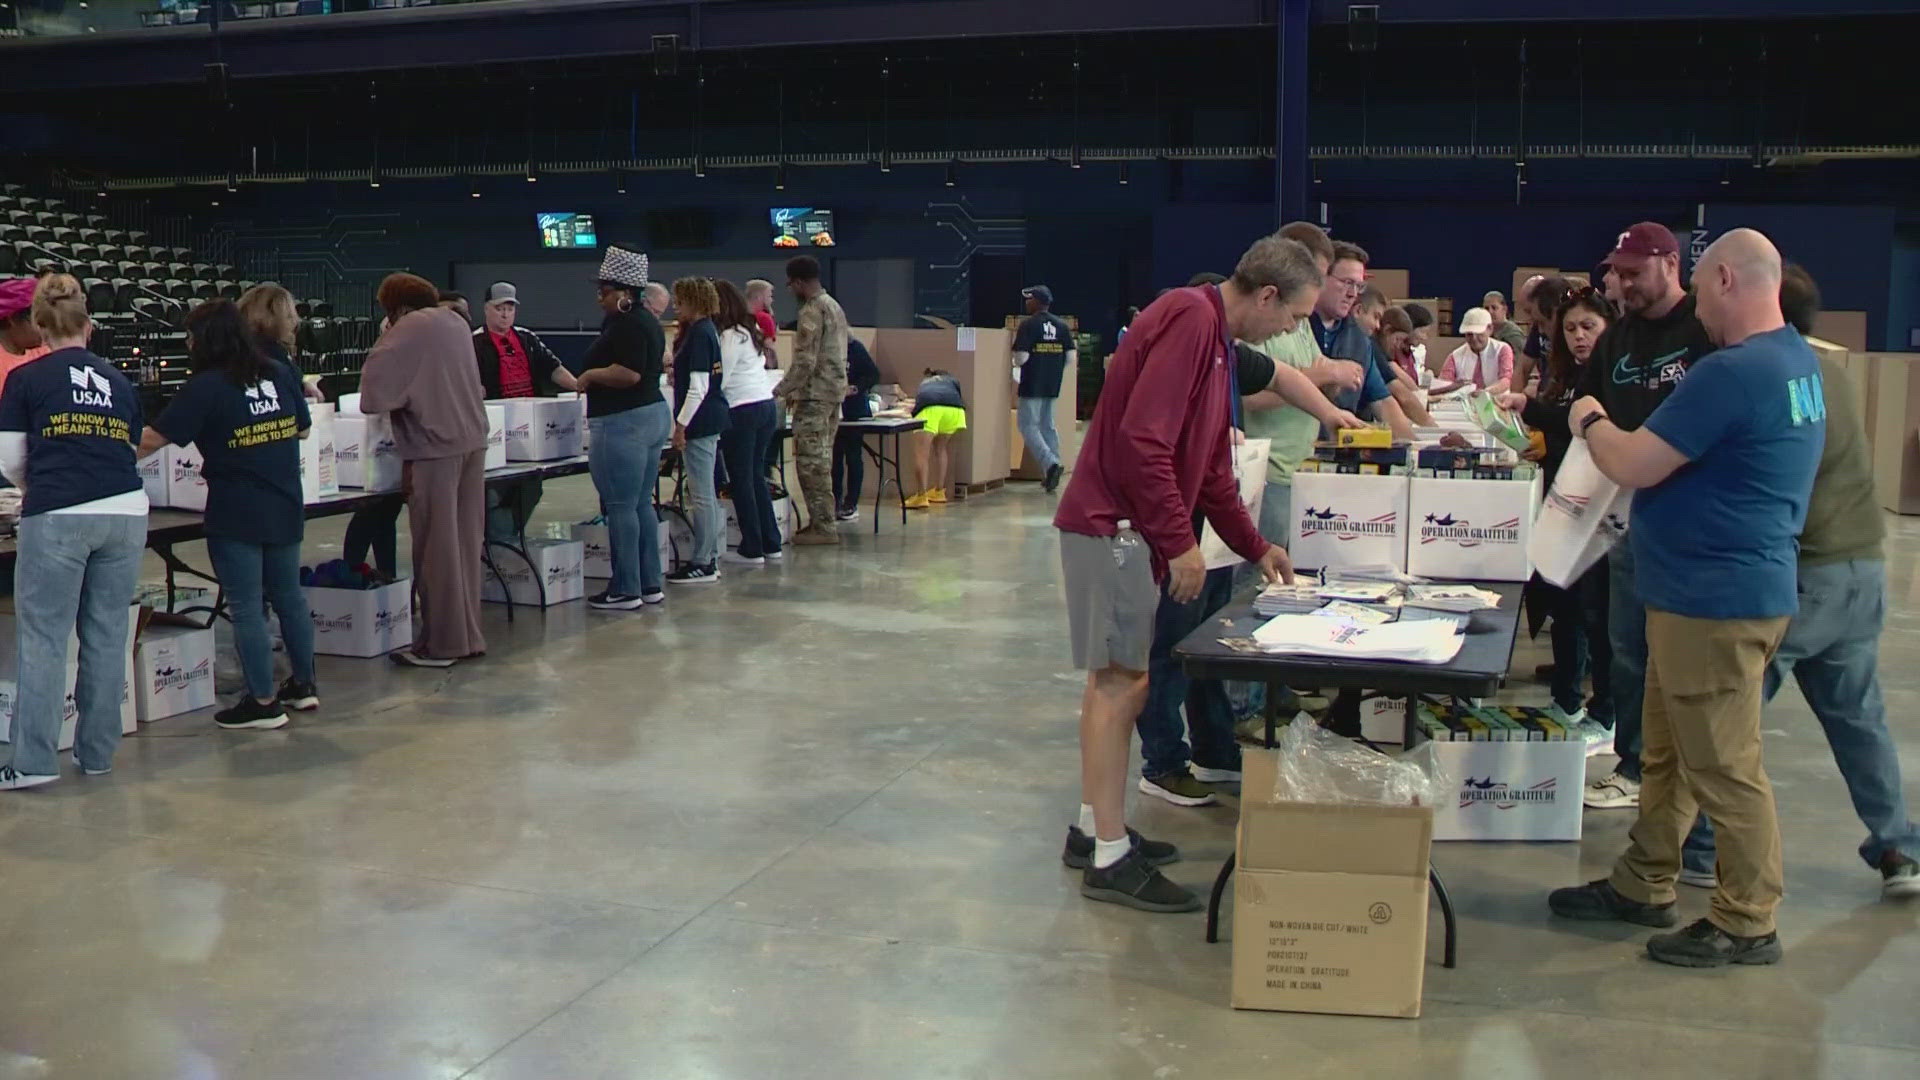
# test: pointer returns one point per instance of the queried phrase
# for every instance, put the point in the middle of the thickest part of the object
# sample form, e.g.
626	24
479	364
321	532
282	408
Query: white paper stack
1452	597
1279	599
1421	642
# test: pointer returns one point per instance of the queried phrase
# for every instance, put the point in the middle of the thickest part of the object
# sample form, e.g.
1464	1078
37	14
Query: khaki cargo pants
1702	732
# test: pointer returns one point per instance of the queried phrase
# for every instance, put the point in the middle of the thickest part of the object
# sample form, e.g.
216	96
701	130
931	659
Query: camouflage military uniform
814	386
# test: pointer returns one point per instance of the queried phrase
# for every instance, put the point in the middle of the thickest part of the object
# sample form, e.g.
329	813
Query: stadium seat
90	235
123	294
84	252
203	270
202	289
10	233
17	217
28	202
112	253
151	269
177	289
115	236
149	308
180	254
99	294
63	234
98	221
138	236
72	220
228	289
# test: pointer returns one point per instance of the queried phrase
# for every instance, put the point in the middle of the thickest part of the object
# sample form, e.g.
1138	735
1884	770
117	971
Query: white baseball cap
1477	320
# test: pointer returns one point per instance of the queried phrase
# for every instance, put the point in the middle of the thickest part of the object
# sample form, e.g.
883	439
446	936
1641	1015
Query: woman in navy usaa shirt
245	412
67	425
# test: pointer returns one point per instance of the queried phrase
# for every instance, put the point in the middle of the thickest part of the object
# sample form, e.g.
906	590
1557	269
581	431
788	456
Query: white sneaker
10	780
1612	792
776	556
1598	737
738	559
1215	776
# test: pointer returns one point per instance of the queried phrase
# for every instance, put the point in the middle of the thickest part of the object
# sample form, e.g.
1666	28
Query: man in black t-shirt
1042	349
1634	366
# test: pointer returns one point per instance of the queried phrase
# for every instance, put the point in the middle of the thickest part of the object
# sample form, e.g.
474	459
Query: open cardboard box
1330	902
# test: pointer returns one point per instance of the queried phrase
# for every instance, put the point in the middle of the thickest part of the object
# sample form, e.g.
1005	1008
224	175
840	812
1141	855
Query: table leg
175	565
486	557
1213	902
1446	913
879	480
900	475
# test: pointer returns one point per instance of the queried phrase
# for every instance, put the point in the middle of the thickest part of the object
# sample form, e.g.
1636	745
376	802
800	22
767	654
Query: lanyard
1232	363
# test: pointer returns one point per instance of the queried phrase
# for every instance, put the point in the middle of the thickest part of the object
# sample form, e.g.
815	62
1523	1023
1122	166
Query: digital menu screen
802	226
567	231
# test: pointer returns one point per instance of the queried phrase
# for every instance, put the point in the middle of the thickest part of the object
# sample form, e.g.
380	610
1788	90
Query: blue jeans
745	446
255	575
1209	716
1581	645
1036	427
1627	628
709	524
73	571
1832	648
624	461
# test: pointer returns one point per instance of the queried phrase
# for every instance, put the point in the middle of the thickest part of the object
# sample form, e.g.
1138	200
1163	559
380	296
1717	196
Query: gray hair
1277	261
759	285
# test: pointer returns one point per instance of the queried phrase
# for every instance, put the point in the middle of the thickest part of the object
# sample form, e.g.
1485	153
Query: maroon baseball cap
1644	241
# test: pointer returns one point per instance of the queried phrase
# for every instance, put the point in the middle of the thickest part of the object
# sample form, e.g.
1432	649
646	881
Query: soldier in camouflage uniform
814	386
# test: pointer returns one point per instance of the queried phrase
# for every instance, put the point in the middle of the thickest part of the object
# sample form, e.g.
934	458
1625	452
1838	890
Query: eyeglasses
1350	284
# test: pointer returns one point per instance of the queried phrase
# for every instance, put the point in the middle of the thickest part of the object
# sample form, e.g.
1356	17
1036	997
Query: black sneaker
1899	876
1052	481
847	513
416	658
1599	901
695	575
299	696
249	715
1079	853
613	601
1704	945
1135	883
11	779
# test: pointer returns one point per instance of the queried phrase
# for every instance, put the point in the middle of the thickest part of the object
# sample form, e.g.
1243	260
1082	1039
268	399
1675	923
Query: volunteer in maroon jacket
1157	454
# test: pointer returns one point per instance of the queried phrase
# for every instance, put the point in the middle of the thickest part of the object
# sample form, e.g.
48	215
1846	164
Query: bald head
1737	287
655	297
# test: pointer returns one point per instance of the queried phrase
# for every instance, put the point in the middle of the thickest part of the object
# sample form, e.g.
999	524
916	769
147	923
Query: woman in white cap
1484	361
630	424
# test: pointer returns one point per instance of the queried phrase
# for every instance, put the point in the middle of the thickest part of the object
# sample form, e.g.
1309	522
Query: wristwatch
1592	419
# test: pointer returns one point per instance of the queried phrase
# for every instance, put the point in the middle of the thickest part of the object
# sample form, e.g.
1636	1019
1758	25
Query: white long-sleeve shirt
744	377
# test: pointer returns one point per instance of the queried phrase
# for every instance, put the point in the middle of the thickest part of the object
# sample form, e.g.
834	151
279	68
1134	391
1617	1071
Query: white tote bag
1580	520
1250	471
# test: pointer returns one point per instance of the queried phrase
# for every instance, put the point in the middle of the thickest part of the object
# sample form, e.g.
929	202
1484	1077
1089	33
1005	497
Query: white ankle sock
1108	852
1086	819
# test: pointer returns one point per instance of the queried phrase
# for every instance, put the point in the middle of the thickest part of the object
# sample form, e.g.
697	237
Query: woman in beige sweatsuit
422	372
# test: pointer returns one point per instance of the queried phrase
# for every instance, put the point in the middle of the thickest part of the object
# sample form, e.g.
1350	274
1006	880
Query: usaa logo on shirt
90	388
262	398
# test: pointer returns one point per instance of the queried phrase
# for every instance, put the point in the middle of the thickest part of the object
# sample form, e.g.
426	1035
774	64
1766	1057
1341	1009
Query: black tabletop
1477	671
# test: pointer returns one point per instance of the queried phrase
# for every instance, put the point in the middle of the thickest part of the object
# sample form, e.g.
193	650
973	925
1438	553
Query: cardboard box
1384	719
597	555
186	488
365	455
362	622
1848	329
1329	903
1472	529
319	471
70	717
559	564
1512	790
1341	520
541	429
1894	391
586	434
1392	282
784	513
496	437
173	672
153	477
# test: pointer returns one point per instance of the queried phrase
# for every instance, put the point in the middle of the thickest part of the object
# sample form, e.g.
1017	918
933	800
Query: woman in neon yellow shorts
939	403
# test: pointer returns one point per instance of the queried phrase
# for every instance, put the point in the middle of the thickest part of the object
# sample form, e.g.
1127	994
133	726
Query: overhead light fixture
699	166
950	174
233	184
1074	160
619	182
473	188
531	178
1123	172
373	177
780	177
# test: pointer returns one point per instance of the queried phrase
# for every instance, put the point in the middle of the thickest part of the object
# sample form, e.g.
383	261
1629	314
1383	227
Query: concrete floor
806	823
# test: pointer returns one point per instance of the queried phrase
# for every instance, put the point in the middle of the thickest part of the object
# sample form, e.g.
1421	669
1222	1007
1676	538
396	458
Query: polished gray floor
805	823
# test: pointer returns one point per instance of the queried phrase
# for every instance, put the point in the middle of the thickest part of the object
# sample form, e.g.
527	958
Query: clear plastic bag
1317	766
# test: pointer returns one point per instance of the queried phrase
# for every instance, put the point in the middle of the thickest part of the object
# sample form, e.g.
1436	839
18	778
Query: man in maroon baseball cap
1646	262
1634	366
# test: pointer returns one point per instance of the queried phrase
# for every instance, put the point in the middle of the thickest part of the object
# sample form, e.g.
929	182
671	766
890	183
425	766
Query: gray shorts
1111	599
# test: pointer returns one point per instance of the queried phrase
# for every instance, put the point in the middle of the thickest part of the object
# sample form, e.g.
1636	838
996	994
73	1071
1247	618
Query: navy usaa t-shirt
248	437
81	417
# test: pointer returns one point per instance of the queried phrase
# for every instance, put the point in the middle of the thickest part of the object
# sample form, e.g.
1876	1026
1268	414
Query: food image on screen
801	226
567	231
